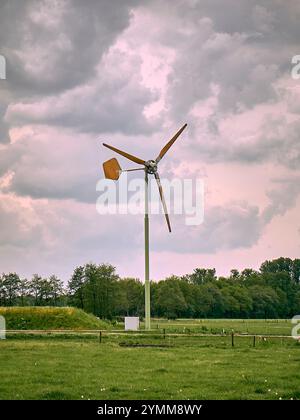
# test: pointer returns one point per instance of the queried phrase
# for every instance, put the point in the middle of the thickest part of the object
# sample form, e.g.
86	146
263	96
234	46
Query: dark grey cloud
63	73
239	53
261	17
56	69
276	141
4	127
51	46
112	101
243	51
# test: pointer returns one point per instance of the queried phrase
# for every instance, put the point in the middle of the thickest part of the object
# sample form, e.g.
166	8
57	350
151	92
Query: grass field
214	326
79	367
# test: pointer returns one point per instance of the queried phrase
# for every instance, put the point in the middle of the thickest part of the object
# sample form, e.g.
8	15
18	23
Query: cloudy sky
132	73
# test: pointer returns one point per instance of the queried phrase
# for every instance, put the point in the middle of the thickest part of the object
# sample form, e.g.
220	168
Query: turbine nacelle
151	166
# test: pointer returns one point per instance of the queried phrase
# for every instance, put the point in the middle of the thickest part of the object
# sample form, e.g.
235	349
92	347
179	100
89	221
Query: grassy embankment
49	318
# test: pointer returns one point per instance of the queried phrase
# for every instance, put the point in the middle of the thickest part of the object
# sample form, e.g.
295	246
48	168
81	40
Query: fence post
232	339
164	330
254	340
100	337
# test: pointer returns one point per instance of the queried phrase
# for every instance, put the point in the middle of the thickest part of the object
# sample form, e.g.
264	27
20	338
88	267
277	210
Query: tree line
272	291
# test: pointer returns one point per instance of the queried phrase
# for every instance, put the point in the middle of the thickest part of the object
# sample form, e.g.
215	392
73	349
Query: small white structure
132	323
2	328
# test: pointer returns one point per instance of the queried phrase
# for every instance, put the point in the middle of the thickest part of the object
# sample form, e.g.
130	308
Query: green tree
56	288
296	271
230	303
238	301
234	274
23	291
283	265
218	306
10	285
203	301
170	300
40	290
130	297
76	287
265	302
100	289
202	275
2	292
248	273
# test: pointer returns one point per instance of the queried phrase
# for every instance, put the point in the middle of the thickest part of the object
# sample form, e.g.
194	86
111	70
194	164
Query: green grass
191	367
216	326
194	368
47	318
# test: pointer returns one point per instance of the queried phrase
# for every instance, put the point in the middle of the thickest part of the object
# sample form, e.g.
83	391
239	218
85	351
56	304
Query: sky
132	73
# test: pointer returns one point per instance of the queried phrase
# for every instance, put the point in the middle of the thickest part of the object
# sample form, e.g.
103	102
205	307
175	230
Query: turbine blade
127	155
130	170
163	200
112	169
169	144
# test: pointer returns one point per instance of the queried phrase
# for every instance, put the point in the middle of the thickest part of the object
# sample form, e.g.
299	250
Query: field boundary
154	333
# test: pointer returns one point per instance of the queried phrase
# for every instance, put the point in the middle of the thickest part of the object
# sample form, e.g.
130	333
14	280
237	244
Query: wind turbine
112	170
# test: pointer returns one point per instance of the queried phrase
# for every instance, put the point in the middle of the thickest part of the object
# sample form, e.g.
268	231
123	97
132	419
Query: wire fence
160	338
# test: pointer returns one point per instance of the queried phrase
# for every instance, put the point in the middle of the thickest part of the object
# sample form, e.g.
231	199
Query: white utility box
132	323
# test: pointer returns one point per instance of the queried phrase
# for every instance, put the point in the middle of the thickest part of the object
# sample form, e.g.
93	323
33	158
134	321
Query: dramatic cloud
99	106
52	46
131	73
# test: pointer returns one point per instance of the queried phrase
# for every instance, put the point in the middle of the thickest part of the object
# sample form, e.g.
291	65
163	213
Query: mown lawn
196	368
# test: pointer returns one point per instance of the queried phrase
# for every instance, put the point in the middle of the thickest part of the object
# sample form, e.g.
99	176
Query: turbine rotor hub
151	166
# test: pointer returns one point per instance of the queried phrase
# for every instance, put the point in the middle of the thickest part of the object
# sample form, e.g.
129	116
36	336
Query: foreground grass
208	368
